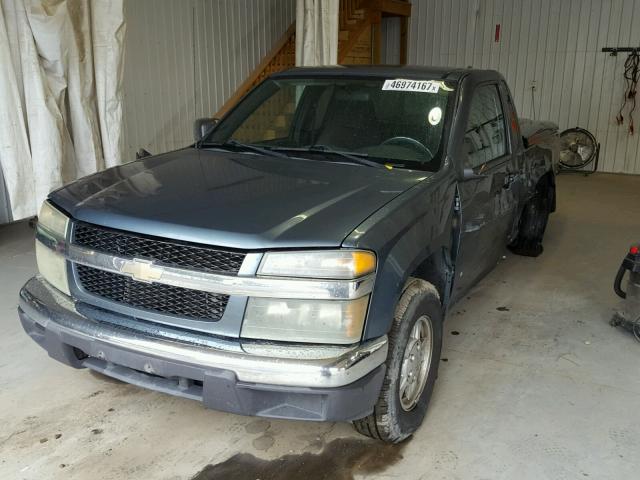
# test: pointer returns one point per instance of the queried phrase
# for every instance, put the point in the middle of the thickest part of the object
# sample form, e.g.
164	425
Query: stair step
281	121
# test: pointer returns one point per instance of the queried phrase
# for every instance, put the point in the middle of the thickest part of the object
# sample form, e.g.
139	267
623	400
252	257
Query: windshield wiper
235	145
359	158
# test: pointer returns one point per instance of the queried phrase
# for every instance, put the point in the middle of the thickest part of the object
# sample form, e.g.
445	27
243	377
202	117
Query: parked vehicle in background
299	259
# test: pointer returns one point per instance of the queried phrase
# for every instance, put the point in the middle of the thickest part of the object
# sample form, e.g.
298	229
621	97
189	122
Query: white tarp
61	67
316	32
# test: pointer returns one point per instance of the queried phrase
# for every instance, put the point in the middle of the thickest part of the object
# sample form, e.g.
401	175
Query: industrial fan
578	148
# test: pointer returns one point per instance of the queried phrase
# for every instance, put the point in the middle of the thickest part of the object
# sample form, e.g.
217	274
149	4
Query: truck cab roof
385	71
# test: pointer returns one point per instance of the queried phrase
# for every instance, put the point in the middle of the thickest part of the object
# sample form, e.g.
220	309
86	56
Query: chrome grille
156	297
166	299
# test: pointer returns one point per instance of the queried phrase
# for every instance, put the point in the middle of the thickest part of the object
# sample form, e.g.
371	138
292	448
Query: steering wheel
412	143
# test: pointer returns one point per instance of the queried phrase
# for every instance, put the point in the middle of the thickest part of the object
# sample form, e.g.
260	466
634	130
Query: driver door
482	235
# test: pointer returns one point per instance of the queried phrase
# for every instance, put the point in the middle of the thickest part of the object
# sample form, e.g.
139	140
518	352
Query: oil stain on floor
340	459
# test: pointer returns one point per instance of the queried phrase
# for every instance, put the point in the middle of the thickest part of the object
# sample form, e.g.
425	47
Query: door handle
509	179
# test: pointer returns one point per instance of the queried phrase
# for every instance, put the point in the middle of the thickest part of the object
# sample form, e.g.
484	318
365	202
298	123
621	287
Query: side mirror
202	126
469	174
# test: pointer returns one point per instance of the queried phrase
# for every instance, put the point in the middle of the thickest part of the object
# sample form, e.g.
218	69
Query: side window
485	136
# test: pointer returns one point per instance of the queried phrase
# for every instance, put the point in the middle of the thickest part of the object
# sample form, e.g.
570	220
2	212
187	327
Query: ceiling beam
394	8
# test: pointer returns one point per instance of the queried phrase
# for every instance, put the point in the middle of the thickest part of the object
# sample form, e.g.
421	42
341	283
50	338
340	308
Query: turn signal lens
363	263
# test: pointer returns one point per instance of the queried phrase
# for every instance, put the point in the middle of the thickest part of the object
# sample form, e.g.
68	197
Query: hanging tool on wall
631	78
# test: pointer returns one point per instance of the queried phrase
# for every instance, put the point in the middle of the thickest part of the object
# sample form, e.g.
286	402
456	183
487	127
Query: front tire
415	343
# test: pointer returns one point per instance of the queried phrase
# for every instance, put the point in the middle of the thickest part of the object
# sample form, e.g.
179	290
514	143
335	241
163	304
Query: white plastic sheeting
61	65
316	32
183	60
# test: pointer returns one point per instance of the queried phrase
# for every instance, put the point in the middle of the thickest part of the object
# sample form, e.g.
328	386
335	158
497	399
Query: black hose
617	283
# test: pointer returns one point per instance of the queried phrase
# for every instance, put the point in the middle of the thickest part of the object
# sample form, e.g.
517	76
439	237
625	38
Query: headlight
310	321
334	264
53	220
52	228
305	321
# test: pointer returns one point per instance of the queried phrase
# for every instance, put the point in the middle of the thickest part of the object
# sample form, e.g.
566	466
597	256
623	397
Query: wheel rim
416	363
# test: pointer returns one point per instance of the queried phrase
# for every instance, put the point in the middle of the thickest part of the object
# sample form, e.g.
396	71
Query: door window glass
512	116
485	137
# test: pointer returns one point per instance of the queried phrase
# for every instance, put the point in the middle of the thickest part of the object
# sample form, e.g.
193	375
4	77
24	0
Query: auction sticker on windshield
403	85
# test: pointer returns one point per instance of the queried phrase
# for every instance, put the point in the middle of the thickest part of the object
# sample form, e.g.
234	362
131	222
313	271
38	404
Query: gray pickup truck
298	260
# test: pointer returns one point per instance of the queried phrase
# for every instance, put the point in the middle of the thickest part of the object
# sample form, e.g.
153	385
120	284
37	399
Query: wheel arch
432	265
436	269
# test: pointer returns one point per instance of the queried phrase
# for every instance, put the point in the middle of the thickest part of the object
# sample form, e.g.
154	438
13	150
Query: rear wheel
533	223
415	342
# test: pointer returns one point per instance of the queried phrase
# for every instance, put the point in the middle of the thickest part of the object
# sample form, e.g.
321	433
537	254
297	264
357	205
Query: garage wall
184	59
552	43
390	42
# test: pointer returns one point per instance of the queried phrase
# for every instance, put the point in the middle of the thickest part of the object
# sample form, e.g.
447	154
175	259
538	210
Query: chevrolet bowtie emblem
142	270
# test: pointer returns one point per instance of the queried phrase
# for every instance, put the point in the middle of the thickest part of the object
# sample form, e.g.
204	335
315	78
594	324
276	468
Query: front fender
404	233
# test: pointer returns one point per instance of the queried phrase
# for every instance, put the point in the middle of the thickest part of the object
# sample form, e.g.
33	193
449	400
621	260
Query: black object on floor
628	316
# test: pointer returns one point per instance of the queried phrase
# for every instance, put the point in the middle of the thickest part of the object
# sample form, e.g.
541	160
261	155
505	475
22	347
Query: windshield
395	122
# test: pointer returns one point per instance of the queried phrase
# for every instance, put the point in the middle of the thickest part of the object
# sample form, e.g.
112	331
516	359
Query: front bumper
309	383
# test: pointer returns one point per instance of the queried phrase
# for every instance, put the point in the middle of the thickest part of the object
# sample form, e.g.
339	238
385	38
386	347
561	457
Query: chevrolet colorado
298	260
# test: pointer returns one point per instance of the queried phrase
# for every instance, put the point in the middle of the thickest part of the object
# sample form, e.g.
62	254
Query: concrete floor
541	389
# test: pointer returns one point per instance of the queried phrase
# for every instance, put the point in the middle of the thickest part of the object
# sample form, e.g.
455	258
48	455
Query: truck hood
238	200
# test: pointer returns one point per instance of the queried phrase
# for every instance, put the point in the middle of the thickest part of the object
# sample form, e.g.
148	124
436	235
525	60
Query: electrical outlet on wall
533	85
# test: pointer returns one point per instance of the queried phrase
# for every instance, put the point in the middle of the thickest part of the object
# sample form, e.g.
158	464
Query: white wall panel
184	58
554	43
390	41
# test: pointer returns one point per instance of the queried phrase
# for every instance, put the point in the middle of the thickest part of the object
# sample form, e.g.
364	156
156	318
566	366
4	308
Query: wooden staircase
359	41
